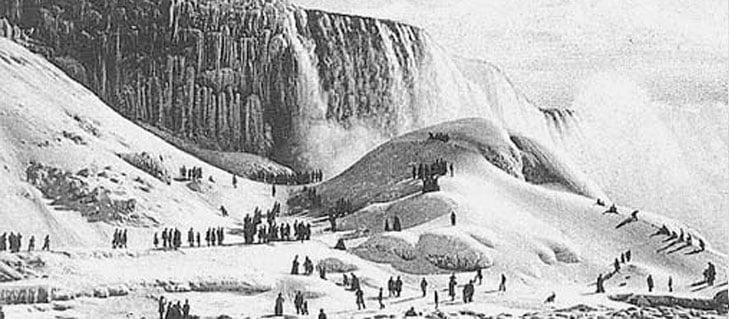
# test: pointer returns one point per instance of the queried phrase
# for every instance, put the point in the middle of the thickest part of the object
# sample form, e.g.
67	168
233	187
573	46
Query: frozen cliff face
267	77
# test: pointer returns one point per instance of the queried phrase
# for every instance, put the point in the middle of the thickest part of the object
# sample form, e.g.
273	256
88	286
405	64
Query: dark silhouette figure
396	224
278	308
670	284
360	300
453	218
550	298
322	315
47	243
295	265
600	284
379	299
452	287
502	285
161	307
649	281
710	274
424	287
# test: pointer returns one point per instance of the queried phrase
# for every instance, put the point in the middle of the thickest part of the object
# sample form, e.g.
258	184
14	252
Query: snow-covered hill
521	208
51	120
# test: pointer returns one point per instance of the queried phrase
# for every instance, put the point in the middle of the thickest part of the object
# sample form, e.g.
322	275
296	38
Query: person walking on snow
649	281
31	243
360	300
452	287
424	287
379	299
278	308
47	243
295	266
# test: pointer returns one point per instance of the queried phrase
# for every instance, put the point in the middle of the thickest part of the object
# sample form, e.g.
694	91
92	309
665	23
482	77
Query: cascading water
306	87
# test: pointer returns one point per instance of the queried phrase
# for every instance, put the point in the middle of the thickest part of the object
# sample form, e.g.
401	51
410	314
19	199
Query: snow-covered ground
545	238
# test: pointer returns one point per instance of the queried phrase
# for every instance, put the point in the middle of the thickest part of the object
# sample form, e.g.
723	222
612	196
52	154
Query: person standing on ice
47	243
161	307
390	287
31	243
379	299
502	285
124	238
453	218
479	276
670	284
186	310
649	281
278	308
308	266
322	315
600	285
398	286
424	287
273	190
155	240
197	237
465	293
710	274
435	298
616	265
191	237
295	265
355	282
452	287
360	299
396	224
298	301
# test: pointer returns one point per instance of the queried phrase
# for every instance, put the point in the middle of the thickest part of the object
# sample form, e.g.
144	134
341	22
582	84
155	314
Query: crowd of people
396	225
191	173
172	238
295	178
119	240
313	198
12	242
253	228
439	136
342	207
173	310
438	168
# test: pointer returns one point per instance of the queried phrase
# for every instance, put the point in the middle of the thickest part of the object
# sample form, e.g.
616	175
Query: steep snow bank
47	118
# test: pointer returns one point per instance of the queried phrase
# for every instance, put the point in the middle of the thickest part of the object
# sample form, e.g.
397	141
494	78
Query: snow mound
521	209
441	251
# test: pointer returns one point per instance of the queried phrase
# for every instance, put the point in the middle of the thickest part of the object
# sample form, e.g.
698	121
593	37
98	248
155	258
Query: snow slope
537	232
48	118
